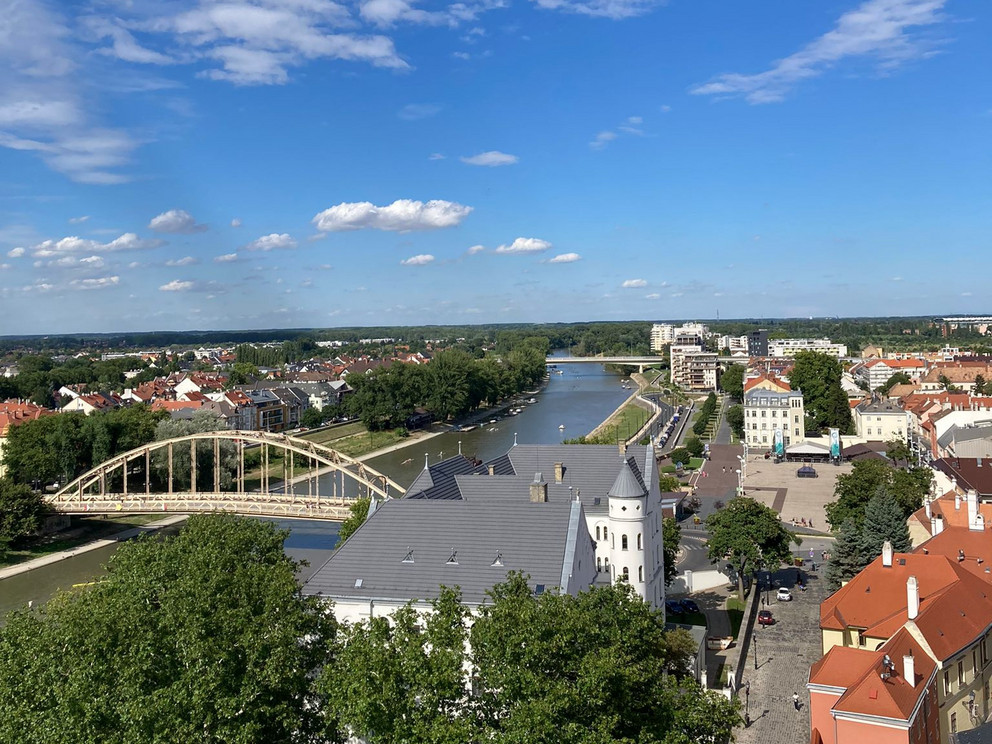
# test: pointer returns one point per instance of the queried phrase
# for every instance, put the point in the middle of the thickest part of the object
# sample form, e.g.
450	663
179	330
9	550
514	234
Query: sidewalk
47	560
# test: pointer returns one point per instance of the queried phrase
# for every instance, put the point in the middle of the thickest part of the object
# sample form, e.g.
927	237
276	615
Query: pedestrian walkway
784	652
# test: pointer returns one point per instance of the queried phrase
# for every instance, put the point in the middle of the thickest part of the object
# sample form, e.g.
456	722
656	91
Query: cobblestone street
784	653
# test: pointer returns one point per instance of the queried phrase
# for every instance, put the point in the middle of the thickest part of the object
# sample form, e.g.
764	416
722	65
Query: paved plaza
794	498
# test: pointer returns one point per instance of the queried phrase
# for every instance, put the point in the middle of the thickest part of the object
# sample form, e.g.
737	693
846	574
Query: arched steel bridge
124	482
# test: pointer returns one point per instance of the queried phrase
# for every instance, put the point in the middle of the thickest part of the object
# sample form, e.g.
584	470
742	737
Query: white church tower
636	552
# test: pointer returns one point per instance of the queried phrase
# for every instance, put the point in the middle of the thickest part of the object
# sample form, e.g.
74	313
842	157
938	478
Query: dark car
673	607
689	606
765	618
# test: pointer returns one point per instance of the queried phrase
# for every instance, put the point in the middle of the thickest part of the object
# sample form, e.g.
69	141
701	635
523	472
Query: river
579	399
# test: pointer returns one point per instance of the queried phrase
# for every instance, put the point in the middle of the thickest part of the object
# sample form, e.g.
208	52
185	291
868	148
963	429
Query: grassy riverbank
83	530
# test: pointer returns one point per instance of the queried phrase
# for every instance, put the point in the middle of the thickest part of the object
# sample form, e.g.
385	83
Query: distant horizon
324	329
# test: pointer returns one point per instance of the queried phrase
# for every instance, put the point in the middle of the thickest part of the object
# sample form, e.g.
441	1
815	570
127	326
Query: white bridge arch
132	492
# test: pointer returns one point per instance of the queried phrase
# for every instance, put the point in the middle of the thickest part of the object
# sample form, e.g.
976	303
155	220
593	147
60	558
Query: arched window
640	573
626	573
623	542
638	540
613	540
599	565
604	531
597	533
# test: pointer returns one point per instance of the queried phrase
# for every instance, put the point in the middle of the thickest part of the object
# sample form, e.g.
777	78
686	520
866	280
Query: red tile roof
13	413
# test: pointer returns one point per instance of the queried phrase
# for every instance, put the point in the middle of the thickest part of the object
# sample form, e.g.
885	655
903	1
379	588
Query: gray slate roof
590	471
527	537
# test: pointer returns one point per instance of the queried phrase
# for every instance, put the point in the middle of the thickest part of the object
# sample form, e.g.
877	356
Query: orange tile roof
13	413
892	696
895	363
763	377
175	405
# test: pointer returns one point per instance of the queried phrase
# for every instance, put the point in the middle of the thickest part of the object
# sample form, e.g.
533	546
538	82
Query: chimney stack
909	669
492	470
559	472
538	490
912	598
887	554
957	501
939	522
972	509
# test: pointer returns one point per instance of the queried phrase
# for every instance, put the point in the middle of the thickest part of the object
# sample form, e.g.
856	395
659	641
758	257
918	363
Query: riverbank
47	560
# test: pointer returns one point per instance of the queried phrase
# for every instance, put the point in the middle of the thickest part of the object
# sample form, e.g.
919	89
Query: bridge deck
248	504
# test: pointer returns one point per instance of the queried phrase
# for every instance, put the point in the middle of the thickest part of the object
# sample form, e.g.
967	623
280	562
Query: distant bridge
124	484
641	362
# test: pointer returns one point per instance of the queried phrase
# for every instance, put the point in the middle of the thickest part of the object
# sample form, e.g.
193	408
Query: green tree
312	418
695	446
669	483
359	512
204	637
735	420
884	520
401	679
671	535
897	378
593	668
680	455
855	489
845	558
818	376
898	451
732	381
21	512
981	386
243	373
748	535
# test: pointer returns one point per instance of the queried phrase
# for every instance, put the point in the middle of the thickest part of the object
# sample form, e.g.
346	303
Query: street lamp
740	482
754	644
747	703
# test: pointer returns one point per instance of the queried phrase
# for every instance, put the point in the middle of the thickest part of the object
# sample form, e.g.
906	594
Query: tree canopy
204	636
855	489
671	535
732	381
748	535
818	376
735	420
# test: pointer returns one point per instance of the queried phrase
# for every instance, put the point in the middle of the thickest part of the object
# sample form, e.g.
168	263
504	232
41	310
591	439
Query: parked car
783	594
689	605
765	618
673	607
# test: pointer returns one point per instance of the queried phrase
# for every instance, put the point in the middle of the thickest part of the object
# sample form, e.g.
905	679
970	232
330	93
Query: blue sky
181	164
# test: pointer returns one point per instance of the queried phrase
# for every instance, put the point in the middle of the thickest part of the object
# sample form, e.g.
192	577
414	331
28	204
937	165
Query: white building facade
766	411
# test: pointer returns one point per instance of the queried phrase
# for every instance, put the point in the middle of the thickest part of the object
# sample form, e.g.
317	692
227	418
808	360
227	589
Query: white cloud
665	108
71	262
390	12
273	241
44	98
177	221
226	258
475	249
78	220
600	140
177	285
15	252
565	258
615	9
418	260
879	29
436	156
491	159
236	222
102	282
184	261
414	111
73	244
124	47
652	296
634	283
525	245
402	215
257	43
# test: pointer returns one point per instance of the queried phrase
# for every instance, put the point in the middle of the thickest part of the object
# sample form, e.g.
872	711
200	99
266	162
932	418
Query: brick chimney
538	489
559	472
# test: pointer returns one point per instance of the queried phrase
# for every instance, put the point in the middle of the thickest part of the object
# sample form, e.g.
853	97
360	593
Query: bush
694	446
681	454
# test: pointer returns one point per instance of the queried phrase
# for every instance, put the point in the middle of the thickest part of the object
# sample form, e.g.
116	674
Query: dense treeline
207	637
453	384
55	449
275	356
40	376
